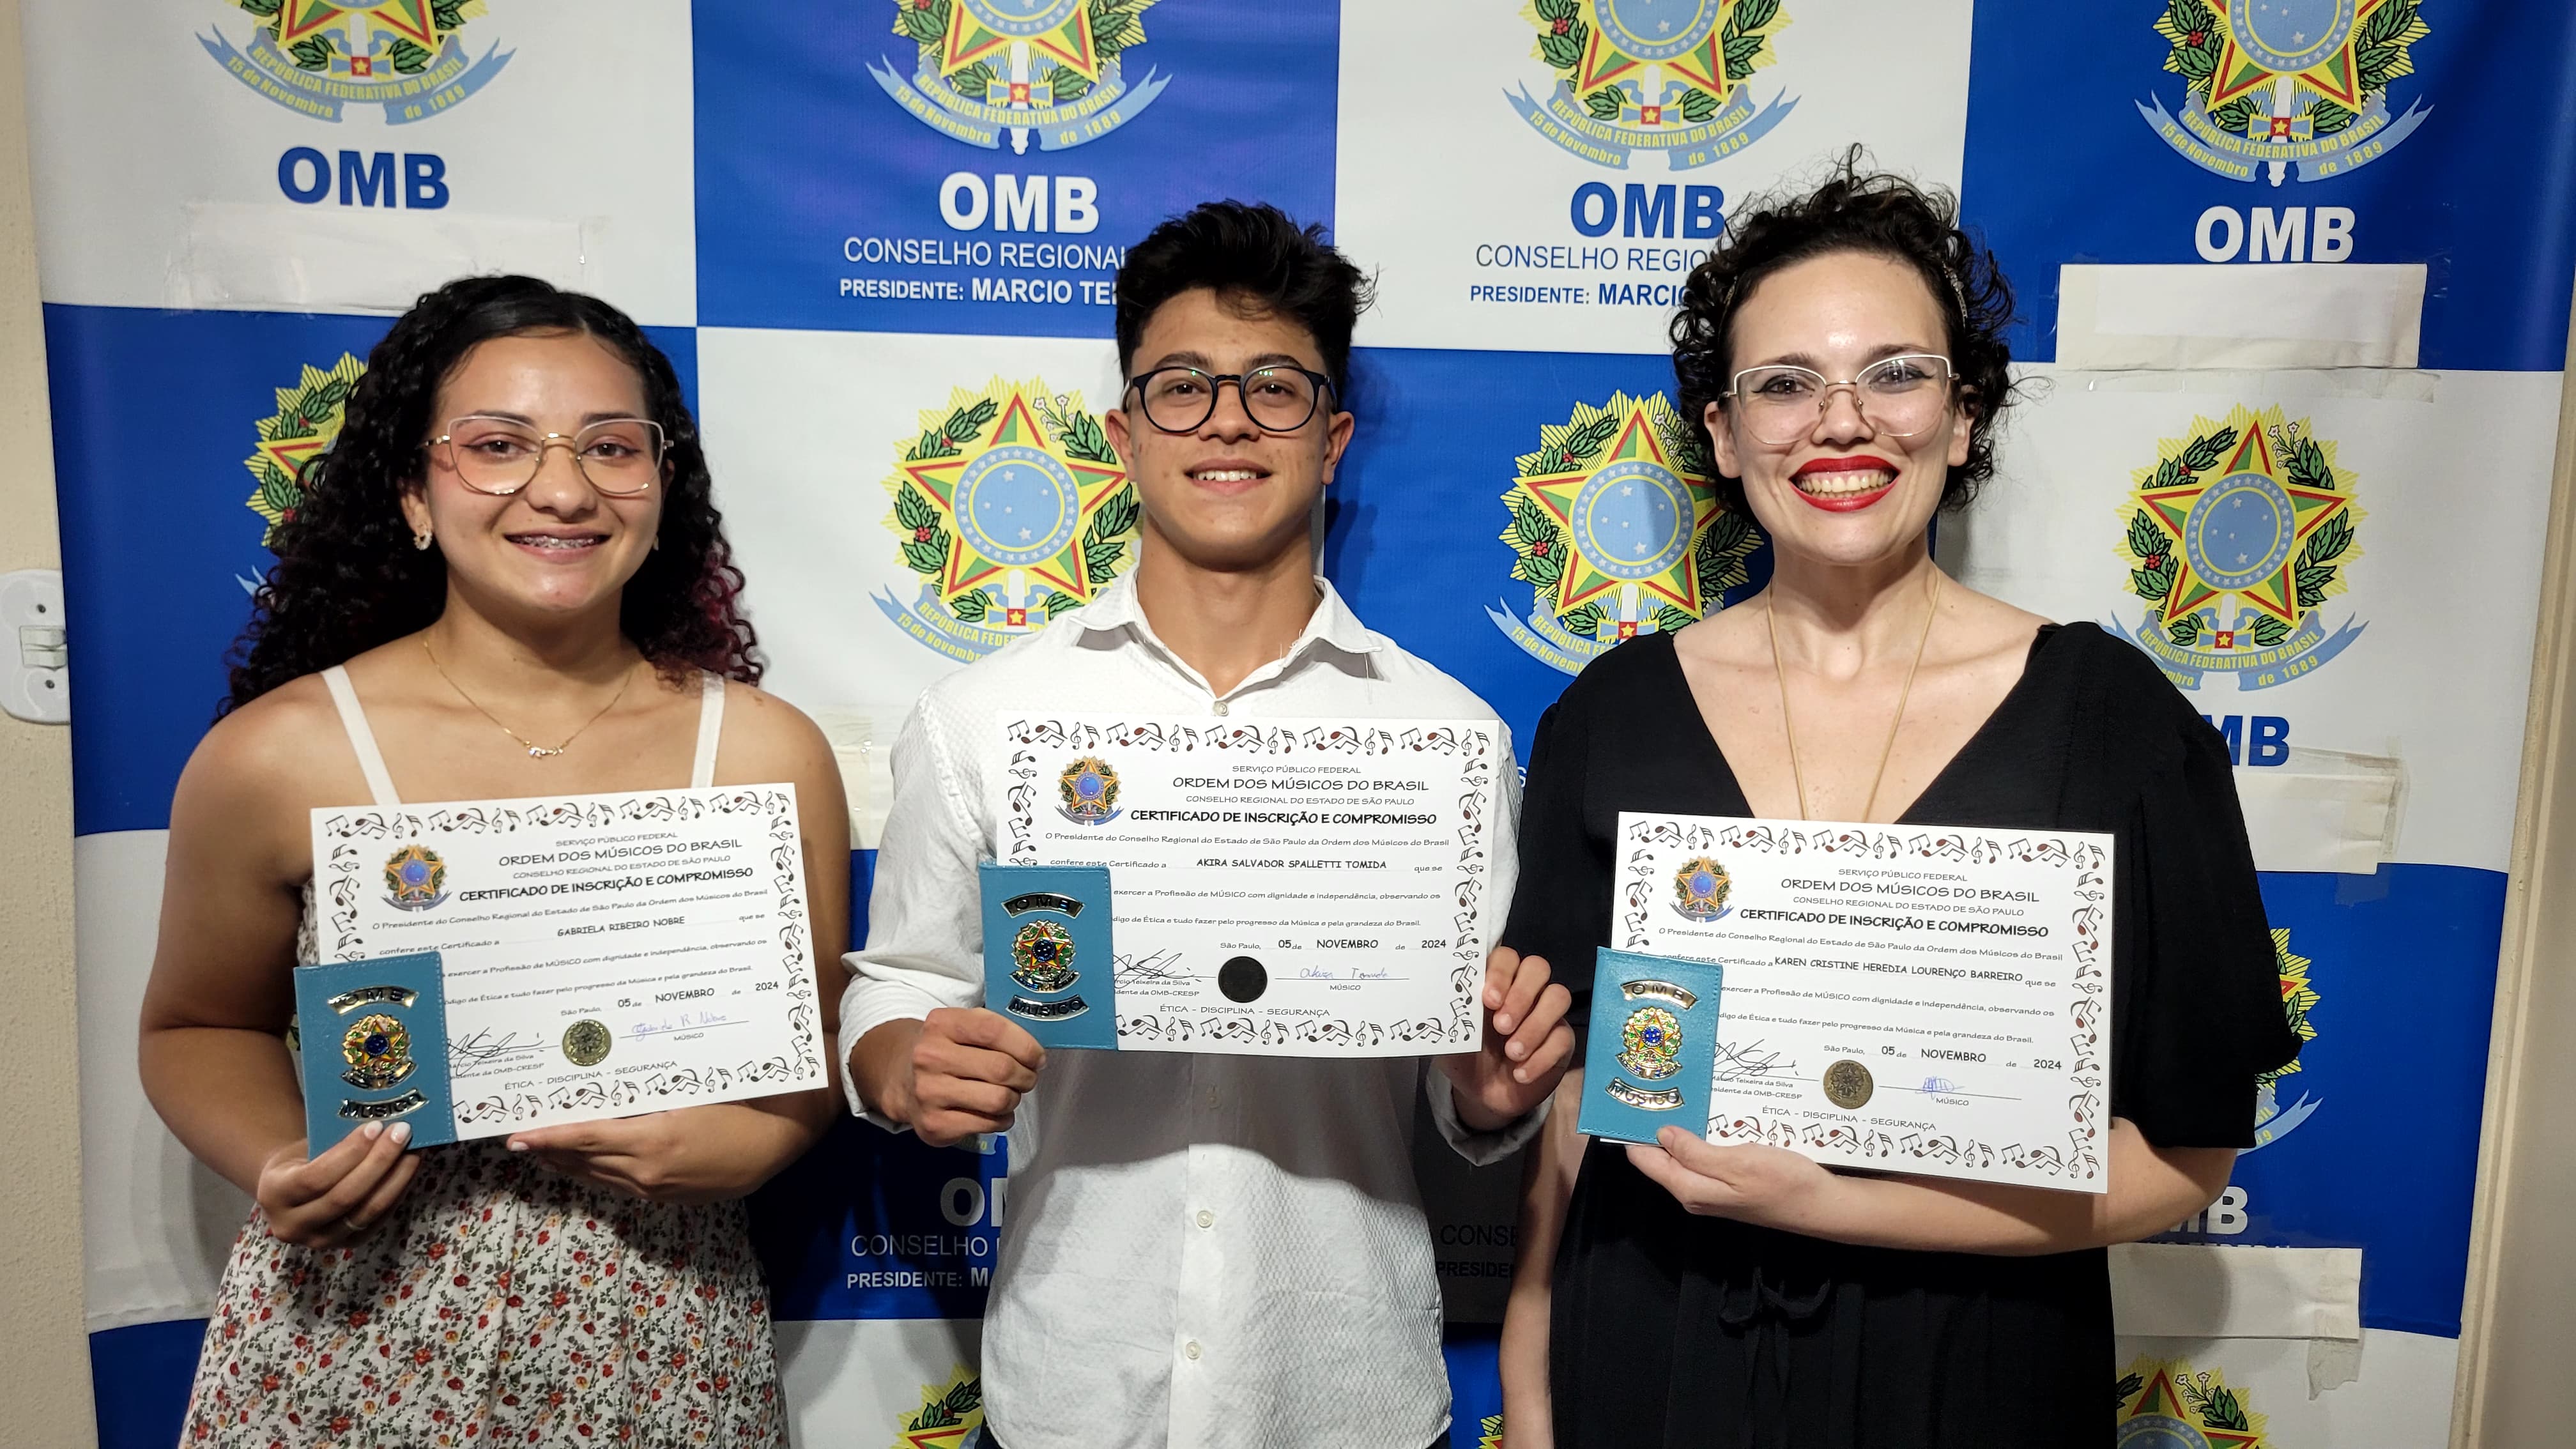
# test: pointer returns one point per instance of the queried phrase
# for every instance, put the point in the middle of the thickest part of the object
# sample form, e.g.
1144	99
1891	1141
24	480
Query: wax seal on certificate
1042	953
585	1043
377	1048
415	878
1243	979
1848	1085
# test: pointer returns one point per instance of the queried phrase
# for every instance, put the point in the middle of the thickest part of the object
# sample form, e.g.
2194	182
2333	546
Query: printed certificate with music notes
1900	998
1283	887
589	956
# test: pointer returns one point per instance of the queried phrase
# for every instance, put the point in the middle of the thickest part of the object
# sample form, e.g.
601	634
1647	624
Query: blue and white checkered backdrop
2323	243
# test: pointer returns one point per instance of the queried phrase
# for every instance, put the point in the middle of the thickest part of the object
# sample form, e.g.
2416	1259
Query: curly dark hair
347	577
1856	211
1252	253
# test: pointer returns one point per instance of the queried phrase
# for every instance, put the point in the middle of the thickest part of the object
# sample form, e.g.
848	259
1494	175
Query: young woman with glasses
506	578
1845	354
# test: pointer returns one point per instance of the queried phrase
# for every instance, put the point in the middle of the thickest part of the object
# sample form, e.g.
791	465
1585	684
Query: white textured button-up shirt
1200	1250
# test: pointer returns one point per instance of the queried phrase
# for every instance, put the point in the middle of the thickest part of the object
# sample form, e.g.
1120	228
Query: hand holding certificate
561	959
1902	998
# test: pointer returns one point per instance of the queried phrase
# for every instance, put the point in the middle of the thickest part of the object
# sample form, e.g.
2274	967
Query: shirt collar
1332	622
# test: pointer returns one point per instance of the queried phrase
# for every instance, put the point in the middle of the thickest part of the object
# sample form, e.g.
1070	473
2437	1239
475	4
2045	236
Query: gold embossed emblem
377	1049
586	1043
1848	1085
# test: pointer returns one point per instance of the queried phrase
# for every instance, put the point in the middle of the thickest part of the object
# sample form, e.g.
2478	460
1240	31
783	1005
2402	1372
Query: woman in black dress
1845	351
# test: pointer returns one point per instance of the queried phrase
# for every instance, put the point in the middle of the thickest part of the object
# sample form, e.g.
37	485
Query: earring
420	540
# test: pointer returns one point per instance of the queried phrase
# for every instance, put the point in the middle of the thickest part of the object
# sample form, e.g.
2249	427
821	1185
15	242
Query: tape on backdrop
2324	810
273	256
2202	1291
2270	315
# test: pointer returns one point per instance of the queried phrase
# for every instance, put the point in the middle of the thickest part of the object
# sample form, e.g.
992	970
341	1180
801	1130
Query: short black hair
1252	255
1876	214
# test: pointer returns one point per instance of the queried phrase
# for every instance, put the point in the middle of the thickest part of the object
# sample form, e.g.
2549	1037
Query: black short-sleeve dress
1670	1329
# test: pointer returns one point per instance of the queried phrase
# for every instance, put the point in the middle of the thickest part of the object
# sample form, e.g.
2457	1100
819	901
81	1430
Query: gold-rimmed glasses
1898	397
621	457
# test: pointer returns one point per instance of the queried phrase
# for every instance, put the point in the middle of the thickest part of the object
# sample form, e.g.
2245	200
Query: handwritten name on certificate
603	955
1294	887
1901	998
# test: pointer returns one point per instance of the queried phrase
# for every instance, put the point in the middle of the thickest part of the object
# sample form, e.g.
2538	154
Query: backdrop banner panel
2292	280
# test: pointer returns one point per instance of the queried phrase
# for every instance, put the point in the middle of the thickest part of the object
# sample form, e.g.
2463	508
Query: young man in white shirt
1202	1250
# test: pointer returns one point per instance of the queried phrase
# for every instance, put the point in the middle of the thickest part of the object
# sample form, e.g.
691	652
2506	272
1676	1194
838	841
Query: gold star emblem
410	19
1029	496
2334	73
2205	538
1656	520
968	40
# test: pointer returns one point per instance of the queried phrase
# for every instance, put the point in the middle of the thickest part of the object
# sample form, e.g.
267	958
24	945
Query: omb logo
2166	1404
1012	509
984	68
2266	83
306	422
2272	1121
1666	76
1617	531
317	57
951	1415
2236	538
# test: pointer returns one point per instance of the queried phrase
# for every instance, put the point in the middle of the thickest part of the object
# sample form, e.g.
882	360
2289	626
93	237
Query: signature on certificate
686	1021
488	1045
1154	966
1751	1062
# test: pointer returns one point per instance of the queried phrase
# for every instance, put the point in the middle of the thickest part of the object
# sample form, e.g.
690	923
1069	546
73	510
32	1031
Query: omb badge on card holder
1047	952
374	1039
1654	1045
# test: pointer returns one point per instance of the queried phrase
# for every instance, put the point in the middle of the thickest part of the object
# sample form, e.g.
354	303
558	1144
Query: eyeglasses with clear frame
1278	398
621	457
1897	397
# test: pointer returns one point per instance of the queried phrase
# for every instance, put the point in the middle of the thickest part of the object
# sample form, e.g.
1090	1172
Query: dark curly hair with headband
347	577
1877	214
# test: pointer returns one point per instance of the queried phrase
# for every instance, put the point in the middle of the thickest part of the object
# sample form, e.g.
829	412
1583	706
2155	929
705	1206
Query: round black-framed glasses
1279	398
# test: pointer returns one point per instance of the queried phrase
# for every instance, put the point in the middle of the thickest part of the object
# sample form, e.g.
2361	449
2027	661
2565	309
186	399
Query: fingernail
1503	1023
372	1131
402	1132
1520	1074
517	1146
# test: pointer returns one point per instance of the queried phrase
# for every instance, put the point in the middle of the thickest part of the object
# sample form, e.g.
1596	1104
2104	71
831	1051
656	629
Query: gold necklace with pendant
535	751
1789	730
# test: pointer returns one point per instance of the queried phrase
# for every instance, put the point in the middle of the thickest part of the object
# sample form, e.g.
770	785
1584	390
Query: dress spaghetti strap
711	697
371	761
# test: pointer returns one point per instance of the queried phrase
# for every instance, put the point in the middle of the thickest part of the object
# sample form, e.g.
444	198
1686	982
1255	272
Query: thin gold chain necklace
535	751
1789	729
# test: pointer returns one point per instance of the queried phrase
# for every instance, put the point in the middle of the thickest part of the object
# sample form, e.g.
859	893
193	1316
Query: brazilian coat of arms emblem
1617	530
1669	76
306	422
2236	538
1700	889
2269	83
1088	792
317	57
2272	1121
951	1416
1012	509
2167	1404
986	68
415	878
377	1051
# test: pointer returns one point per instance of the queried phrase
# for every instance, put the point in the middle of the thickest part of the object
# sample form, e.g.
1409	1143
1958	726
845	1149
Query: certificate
1290	887
594	956
1901	998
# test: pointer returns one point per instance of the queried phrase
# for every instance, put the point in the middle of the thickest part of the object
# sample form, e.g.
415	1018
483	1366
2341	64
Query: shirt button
1190	1350
1206	1219
1222	707
1213	1101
